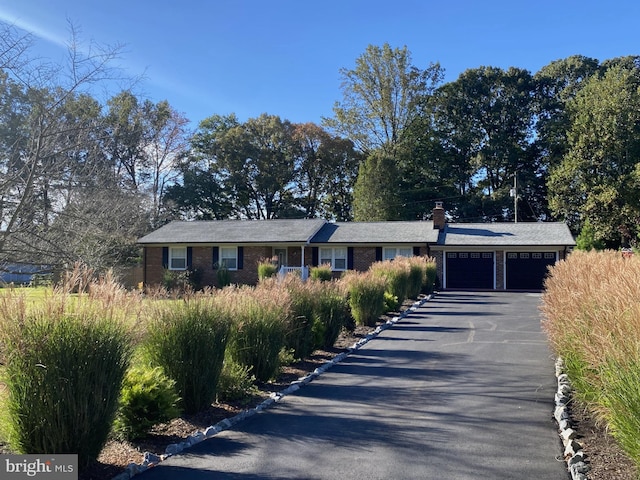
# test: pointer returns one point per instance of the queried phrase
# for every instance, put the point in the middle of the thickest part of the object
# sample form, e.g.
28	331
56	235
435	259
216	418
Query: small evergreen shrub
391	303
148	397
236	382
188	340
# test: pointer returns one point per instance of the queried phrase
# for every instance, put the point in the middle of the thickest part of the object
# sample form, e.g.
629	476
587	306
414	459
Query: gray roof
415	232
506	234
235	231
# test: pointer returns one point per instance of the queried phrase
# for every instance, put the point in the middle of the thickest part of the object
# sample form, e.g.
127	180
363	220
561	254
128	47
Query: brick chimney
439	219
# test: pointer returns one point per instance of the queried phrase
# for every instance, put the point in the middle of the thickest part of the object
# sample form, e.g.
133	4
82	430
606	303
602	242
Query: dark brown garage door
470	270
527	270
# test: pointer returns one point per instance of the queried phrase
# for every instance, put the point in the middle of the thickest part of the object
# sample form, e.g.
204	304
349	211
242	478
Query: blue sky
283	57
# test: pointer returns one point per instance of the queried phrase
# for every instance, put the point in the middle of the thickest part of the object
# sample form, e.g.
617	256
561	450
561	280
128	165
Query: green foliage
236	382
332	312
375	196
148	397
64	367
300	337
391	303
586	240
598	179
366	297
259	335
431	274
224	276
396	274
188	340
266	269
322	273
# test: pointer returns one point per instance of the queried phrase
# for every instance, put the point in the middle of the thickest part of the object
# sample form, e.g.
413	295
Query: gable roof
235	231
414	232
506	234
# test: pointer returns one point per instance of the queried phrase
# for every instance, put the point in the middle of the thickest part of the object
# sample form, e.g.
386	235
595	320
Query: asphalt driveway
463	388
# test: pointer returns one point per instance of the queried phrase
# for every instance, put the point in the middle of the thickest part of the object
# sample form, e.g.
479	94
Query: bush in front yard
64	363
188	340
322	273
332	312
148	397
366	296
266	269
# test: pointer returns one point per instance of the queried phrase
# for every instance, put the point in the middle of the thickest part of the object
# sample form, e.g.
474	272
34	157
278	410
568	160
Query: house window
392	252
177	258
336	257
229	258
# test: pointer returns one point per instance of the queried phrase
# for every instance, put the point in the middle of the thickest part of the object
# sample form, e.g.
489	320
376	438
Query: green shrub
266	269
148	397
322	273
366	297
236	382
64	366
391	303
260	321
188	340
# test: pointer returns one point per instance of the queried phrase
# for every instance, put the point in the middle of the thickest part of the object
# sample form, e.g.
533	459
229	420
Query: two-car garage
489	270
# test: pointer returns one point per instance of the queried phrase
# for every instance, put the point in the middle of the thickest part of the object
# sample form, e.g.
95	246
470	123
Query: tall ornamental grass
259	328
591	313
64	361
302	314
396	275
332	313
188	340
366	296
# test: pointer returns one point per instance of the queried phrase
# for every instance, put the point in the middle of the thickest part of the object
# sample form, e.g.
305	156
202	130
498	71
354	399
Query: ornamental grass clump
64	361
259	328
266	269
302	315
396	274
366	296
332	312
188	340
431	272
322	273
591	310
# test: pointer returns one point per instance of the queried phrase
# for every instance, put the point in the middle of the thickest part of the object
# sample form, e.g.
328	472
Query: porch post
302	257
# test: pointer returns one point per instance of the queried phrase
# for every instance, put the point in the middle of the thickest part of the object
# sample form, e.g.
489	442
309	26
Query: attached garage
470	270
501	256
527	270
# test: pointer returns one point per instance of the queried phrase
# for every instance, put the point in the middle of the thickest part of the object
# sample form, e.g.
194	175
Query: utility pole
514	194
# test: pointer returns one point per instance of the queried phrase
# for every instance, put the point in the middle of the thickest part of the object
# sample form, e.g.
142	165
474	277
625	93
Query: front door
281	255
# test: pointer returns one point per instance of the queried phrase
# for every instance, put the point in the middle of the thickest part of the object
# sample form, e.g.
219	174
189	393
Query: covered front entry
470	270
527	270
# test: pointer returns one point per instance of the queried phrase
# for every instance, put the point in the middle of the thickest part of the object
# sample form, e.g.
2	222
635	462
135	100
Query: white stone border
573	453
151	460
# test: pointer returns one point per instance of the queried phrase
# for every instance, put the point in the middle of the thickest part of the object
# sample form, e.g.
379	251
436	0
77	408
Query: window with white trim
177	258
336	257
229	258
389	253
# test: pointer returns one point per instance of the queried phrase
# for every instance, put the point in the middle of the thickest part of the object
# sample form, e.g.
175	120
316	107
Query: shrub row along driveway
461	389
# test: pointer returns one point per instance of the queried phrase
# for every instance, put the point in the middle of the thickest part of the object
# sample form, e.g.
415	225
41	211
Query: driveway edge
151	460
